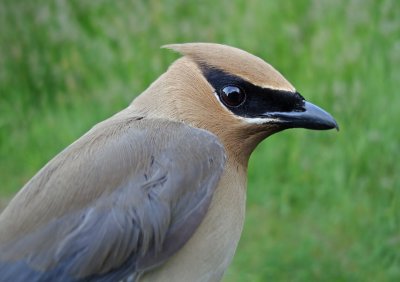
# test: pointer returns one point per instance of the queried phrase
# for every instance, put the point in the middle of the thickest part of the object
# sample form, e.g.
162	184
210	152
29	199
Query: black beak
310	117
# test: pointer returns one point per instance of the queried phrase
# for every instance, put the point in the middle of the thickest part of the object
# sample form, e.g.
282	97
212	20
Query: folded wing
119	201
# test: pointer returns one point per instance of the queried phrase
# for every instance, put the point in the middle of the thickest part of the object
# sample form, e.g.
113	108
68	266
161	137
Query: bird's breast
208	253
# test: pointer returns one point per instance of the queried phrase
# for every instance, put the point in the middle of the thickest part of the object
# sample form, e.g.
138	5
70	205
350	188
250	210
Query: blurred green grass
322	206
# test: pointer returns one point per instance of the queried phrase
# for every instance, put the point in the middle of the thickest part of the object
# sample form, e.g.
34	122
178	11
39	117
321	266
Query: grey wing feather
145	194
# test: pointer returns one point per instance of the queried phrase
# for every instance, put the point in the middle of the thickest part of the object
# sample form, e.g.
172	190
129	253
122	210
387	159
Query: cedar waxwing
156	192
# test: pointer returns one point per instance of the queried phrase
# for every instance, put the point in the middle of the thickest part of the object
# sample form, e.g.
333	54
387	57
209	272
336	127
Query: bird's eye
232	96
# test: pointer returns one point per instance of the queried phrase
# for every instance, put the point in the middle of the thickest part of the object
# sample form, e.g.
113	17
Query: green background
322	206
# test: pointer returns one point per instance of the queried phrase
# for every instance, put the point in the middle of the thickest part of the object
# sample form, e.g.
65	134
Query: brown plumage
156	192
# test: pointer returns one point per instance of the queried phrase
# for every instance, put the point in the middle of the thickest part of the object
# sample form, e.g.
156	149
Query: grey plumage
139	217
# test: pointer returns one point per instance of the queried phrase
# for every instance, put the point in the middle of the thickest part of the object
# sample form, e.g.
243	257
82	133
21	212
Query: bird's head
234	94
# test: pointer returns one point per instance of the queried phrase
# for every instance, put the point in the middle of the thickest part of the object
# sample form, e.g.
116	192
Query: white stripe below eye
259	120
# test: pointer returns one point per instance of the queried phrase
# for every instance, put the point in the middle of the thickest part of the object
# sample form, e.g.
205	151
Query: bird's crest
234	61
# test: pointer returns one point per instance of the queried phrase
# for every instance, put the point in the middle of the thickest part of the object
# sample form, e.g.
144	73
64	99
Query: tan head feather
234	61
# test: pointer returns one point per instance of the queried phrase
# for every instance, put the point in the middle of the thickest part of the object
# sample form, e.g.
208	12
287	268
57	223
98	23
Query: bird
156	192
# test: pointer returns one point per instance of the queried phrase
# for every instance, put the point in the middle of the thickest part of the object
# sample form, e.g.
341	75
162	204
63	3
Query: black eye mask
258	100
